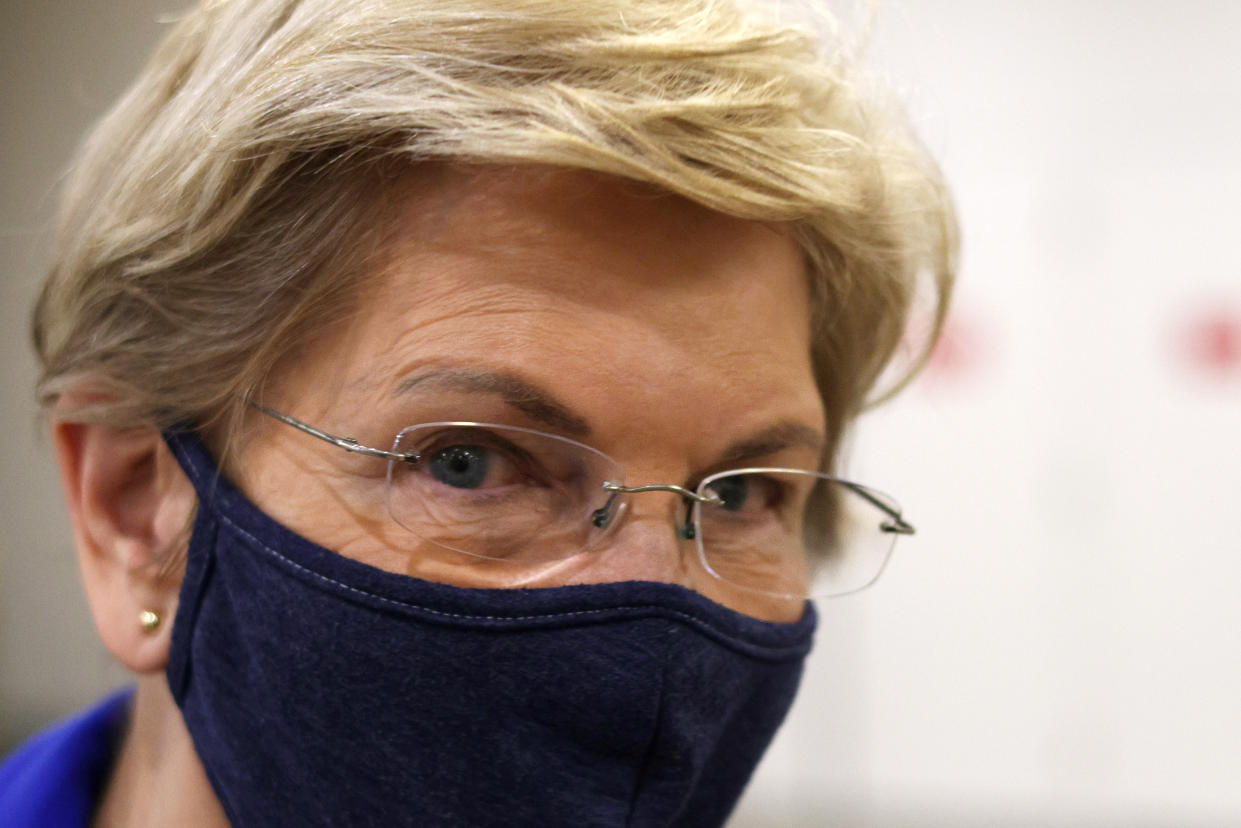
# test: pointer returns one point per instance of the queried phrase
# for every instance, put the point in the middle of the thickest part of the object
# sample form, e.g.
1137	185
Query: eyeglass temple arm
347	443
898	524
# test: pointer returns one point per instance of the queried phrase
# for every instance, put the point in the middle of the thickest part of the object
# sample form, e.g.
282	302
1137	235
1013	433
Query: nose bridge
683	499
645	544
664	503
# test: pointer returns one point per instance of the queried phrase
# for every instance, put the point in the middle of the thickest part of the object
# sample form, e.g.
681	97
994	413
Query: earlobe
130	505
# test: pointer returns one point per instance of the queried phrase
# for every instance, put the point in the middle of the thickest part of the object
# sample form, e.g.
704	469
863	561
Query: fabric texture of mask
322	691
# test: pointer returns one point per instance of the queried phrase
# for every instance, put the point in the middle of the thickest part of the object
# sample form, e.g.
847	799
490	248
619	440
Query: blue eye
462	467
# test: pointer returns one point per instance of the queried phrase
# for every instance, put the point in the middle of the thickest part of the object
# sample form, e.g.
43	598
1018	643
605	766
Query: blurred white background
1058	644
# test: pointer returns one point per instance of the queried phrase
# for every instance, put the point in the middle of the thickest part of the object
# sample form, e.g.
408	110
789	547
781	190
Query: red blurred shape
1212	341
958	353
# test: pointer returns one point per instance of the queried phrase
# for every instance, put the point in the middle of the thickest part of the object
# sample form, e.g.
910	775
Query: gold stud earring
149	620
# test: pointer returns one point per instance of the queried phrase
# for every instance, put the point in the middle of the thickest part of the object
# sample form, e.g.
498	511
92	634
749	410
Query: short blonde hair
234	196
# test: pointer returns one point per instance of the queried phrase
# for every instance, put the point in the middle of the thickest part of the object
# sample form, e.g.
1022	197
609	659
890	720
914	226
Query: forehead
584	226
607	291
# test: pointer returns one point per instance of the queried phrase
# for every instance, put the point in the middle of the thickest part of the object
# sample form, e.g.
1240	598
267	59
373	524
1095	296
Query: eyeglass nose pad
686	529
607	517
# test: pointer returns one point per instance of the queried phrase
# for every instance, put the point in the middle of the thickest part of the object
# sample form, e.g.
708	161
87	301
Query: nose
645	544
604	515
646	540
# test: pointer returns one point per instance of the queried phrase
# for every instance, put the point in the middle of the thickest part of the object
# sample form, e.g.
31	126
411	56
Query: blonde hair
234	196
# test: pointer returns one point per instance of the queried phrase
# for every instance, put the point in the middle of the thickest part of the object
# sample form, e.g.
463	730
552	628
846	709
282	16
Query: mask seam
775	652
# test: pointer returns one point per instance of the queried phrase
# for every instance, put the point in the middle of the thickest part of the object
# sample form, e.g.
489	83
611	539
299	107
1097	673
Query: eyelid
444	438
542	468
738	464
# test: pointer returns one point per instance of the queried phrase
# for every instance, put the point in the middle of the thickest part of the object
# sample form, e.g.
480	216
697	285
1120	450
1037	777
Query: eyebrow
783	435
535	402
539	404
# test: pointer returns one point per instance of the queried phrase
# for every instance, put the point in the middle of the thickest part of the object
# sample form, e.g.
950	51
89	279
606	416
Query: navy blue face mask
322	691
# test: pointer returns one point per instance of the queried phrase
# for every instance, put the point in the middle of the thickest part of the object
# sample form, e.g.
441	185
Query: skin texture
659	332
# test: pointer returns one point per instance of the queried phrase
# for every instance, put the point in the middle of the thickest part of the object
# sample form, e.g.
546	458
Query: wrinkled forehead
612	295
494	208
598	240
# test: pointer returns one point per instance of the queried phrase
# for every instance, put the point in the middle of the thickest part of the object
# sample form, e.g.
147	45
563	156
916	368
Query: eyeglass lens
529	498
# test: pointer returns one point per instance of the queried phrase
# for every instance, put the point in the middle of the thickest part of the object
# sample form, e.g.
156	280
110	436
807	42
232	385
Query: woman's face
670	337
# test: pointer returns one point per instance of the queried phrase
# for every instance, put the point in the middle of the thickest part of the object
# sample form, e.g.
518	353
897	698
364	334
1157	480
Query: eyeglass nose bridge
602	517
713	499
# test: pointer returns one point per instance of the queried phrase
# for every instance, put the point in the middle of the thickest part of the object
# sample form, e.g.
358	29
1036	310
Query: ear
130	504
